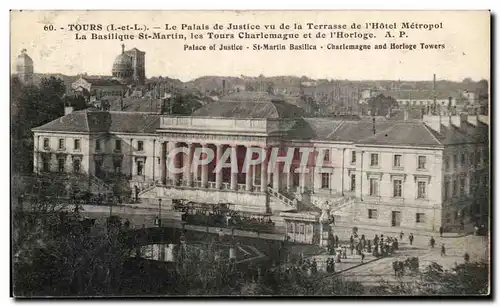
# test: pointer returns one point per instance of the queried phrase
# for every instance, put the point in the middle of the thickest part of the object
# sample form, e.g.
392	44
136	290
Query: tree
31	107
381	105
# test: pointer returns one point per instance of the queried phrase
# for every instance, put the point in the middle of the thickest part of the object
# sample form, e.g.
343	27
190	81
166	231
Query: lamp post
159	212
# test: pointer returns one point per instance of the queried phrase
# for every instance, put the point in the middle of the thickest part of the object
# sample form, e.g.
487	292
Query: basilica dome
122	66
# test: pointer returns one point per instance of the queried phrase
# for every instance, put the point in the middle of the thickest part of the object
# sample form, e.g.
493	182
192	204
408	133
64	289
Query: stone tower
24	68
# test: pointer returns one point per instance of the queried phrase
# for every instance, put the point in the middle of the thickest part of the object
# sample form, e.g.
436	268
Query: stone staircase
289	203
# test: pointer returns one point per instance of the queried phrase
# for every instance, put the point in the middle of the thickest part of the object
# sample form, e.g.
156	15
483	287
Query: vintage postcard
250	153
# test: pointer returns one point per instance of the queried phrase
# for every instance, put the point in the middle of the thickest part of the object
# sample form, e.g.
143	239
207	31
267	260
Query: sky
465	34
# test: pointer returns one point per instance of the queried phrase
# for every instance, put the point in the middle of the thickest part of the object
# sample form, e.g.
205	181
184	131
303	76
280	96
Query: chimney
68	109
123	48
223	87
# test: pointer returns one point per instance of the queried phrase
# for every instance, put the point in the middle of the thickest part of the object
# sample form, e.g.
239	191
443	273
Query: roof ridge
87	121
150	123
432	134
335	130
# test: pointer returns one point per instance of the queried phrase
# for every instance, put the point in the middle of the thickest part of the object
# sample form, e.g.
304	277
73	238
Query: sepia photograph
250	154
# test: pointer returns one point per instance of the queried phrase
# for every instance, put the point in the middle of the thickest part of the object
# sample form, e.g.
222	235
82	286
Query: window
45	165
422	189
353	157
140	145
372	214
455	188
326	158
397	161
301	229
140	168
374	159
97	145
446	163
353	182
422	162
325	180
118	145
462	186
420	217
478	158
471	159
117	166
46	144
373	187
455	161
61	144
76	166
462	159
398	188
290	227
446	189
76	144
60	164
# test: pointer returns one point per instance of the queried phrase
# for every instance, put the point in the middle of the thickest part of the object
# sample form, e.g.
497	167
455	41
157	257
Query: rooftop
99	121
250	105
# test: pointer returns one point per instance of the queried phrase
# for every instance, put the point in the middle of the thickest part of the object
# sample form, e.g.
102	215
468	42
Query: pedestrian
314	267
466	257
462	226
362	257
352	249
441	230
443	250
362	241
351	240
411	238
401	234
369	246
432	242
336	241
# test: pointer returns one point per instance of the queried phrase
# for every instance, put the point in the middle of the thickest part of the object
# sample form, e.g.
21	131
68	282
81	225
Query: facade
97	88
381	174
24	68
415	97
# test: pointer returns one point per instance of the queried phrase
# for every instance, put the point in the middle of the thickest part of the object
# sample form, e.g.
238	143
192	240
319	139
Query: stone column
218	175
302	180
276	177
204	169
234	173
249	176
163	159
176	162
289	179
189	172
263	172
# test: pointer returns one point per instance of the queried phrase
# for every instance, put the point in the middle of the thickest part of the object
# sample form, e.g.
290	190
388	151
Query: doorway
396	218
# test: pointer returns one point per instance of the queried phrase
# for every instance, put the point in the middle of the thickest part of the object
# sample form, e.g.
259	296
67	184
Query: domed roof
250	105
24	58
122	63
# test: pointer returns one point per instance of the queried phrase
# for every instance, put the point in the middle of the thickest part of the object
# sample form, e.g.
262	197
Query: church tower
24	68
